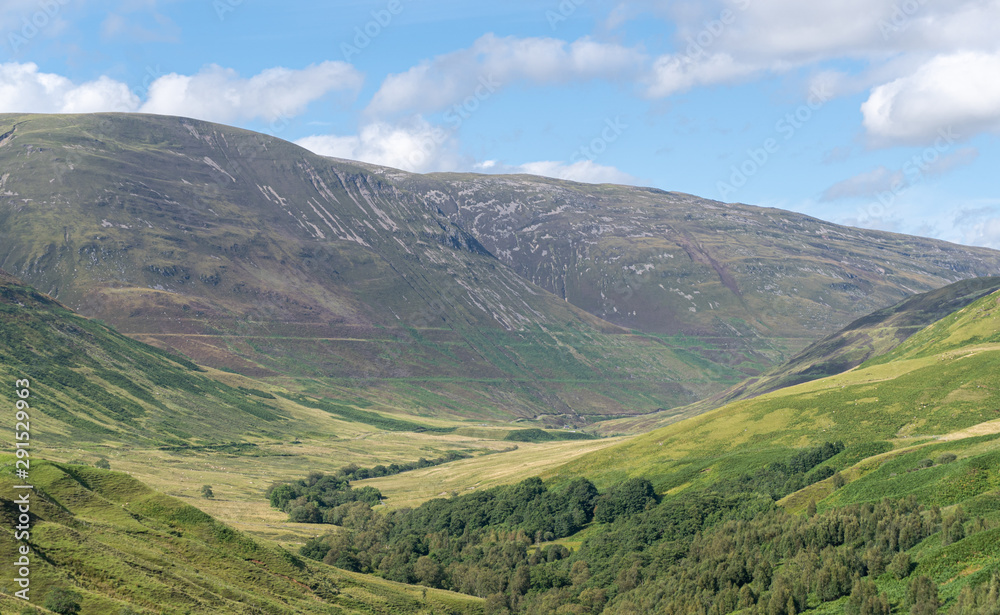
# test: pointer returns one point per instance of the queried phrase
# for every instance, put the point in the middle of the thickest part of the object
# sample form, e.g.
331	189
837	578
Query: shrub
103	464
63	601
947	458
206	492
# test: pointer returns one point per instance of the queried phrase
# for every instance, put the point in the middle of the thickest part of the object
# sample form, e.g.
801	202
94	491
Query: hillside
431	294
874	335
940	381
97	386
118	543
872	491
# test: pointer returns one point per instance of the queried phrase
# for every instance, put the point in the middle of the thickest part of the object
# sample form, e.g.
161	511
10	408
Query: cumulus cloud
24	89
959	92
677	73
219	94
415	145
865	184
418	146
493	62
586	171
978	226
215	94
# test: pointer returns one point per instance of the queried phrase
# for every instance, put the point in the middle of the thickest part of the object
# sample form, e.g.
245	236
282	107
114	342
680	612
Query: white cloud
215	94
415	145
865	184
978	225
493	62
219	94
676	73
958	92
421	147
585	171
24	89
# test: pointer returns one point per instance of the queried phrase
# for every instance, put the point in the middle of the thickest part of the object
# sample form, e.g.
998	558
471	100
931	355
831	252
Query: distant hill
454	295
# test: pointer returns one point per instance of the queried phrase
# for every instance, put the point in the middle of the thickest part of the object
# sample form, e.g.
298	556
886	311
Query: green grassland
117	542
871	336
943	379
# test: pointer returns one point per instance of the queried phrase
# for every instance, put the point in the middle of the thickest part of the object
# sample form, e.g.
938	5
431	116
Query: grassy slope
96	386
118	542
942	380
922	420
871	336
96	393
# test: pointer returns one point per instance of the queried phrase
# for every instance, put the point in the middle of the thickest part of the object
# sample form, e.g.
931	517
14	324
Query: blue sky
874	113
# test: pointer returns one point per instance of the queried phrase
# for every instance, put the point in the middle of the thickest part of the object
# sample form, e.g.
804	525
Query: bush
947	458
103	464
206	492
63	601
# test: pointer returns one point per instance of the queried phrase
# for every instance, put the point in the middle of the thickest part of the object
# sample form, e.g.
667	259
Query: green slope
942	380
913	498
871	336
117	542
92	385
841	495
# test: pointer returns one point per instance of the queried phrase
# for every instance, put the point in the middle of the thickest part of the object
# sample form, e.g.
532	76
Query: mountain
741	279
462	296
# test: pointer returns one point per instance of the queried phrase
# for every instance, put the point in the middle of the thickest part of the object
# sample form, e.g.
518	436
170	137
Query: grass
118	542
919	394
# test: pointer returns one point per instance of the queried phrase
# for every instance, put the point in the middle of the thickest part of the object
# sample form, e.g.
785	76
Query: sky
874	113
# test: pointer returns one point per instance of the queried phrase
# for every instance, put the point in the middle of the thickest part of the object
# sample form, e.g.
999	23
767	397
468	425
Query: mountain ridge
248	253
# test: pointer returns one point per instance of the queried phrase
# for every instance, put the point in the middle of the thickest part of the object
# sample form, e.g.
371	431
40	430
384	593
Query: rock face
466	295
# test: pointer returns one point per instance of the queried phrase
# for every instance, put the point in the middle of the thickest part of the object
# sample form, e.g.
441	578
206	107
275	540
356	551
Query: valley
616	400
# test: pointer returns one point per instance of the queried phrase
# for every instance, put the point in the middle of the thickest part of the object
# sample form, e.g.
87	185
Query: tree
103	464
63	601
900	566
922	596
206	492
428	572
